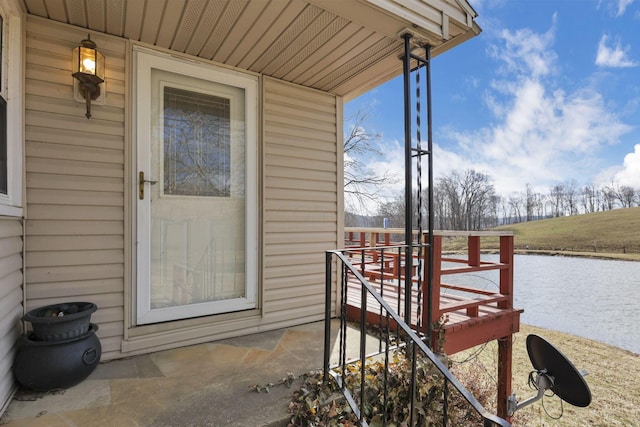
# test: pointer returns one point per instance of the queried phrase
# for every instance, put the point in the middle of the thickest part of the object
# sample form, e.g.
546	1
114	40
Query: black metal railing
454	404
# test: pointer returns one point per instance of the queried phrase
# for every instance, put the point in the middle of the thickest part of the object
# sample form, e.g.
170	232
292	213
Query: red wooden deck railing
464	316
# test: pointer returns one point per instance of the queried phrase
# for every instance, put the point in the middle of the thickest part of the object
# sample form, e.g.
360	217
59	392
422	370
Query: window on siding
1	55
3	120
11	104
3	146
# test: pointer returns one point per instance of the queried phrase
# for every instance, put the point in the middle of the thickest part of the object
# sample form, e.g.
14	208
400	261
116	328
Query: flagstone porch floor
201	385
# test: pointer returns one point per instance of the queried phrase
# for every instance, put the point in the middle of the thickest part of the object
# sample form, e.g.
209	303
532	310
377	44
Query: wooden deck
469	316
464	315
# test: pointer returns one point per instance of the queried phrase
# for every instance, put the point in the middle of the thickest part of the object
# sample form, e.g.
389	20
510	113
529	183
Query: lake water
595	299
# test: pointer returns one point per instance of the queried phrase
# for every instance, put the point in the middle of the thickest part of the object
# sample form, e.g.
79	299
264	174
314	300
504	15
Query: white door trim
144	60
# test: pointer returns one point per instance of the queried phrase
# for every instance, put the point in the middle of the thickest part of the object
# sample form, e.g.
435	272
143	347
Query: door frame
142	61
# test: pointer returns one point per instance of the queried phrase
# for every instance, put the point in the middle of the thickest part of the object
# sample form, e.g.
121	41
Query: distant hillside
616	231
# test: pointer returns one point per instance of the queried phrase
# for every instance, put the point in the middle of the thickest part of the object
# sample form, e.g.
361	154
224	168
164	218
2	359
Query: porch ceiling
345	47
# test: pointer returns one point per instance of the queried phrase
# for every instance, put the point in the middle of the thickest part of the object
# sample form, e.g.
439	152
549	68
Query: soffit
343	47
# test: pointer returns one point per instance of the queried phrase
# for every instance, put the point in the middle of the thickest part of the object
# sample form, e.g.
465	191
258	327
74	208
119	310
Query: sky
549	92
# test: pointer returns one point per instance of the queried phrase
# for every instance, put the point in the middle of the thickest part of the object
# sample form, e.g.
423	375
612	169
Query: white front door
196	189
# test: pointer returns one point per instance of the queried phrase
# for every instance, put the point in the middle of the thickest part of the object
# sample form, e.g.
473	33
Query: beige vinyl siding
76	177
301	202
75	180
299	216
10	301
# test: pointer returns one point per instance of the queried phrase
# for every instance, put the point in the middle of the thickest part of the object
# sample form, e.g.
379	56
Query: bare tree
440	212
625	194
589	198
493	219
461	201
447	194
608	198
467	201
515	205
570	197
395	211
362	183
539	205
504	210
556	198
531	202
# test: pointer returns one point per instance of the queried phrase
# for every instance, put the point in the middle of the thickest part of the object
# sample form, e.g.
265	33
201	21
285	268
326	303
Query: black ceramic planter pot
60	321
48	365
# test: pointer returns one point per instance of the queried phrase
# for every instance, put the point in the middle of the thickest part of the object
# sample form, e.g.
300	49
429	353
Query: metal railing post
327	315
408	166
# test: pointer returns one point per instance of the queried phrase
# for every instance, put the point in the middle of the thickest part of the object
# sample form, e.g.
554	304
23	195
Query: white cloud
630	172
622	6
393	163
526	52
542	135
616	56
616	8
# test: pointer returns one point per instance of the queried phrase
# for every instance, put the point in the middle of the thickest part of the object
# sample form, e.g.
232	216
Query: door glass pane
197	144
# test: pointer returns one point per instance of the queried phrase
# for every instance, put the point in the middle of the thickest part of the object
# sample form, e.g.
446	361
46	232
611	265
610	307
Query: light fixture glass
88	68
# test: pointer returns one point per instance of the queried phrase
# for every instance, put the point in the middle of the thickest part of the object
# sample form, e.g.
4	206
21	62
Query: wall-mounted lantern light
88	68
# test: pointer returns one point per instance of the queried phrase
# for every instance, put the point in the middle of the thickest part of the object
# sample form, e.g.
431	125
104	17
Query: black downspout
408	226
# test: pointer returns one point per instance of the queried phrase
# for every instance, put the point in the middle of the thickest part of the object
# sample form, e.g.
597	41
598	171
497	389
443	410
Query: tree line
468	201
462	200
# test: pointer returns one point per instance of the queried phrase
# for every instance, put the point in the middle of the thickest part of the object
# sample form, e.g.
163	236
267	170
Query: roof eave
394	71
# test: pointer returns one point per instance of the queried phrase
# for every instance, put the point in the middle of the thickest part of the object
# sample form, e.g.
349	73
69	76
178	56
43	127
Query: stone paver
201	385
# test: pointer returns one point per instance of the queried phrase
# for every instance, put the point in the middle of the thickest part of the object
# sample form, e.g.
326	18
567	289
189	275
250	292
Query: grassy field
610	234
613	377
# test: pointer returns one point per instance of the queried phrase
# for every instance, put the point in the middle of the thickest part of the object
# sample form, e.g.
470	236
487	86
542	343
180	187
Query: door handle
141	182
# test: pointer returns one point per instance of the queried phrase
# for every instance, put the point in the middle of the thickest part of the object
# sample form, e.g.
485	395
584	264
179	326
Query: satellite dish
569	383
553	371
